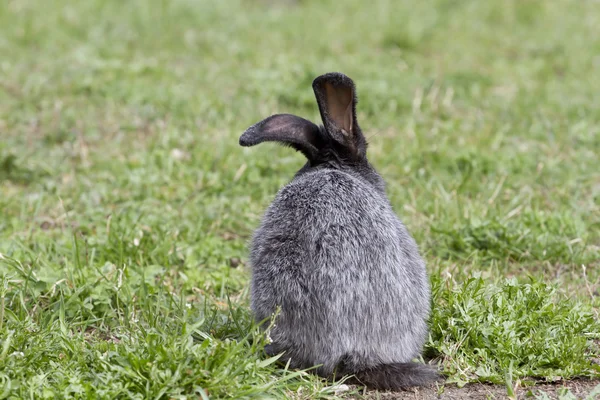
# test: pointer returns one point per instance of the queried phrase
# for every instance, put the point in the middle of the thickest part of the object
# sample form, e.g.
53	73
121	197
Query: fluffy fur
351	286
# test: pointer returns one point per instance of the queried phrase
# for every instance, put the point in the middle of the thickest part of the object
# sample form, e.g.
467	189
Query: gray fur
352	288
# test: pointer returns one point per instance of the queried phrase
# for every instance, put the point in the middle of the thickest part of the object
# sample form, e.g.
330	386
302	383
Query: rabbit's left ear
336	97
286	129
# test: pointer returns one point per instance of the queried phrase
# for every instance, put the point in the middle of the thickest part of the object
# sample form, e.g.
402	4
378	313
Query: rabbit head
338	144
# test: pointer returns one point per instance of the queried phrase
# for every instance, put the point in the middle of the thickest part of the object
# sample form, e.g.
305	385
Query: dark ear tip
335	78
247	138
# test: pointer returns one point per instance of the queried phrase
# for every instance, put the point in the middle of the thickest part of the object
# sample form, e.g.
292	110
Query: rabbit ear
336	96
287	129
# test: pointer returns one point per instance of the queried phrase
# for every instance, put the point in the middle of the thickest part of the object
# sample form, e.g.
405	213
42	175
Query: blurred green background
122	183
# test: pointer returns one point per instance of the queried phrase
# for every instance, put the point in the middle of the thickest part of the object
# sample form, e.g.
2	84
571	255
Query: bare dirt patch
580	388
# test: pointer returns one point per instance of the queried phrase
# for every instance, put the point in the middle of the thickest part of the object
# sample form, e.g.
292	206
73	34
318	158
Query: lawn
126	203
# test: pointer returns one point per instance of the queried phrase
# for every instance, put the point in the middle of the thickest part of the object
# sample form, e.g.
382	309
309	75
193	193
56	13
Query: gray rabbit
331	255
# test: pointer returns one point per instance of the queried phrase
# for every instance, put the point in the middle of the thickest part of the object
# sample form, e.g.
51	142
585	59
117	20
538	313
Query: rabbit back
344	272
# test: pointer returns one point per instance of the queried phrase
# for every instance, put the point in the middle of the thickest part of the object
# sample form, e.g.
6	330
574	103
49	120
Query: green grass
126	202
493	332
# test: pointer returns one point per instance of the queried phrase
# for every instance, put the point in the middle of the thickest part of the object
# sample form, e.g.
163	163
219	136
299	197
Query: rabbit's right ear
336	97
286	129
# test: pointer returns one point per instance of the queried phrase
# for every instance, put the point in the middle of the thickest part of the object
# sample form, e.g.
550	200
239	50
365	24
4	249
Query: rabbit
345	277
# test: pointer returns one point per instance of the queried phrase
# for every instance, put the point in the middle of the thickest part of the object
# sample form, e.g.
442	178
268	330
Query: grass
126	204
493	332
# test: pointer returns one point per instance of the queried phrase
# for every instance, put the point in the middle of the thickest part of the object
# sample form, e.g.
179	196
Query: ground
127	204
576	389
